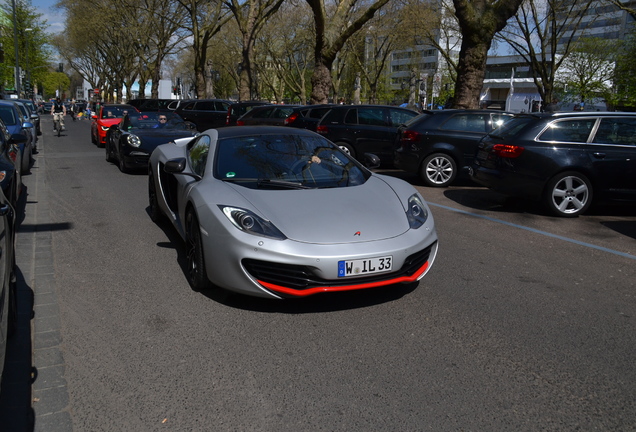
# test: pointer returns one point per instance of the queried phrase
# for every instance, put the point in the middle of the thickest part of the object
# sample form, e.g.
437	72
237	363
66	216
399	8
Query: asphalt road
525	322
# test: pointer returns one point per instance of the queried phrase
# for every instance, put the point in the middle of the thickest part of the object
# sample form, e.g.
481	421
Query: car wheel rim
439	170
570	195
345	150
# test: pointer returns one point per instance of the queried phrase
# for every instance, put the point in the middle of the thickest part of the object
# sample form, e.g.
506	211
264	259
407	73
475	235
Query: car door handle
599	155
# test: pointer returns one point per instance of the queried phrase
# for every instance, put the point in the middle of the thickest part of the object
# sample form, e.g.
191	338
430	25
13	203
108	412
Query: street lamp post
15	46
28	70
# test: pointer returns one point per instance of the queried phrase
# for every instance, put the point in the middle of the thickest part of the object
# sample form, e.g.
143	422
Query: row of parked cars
562	159
19	130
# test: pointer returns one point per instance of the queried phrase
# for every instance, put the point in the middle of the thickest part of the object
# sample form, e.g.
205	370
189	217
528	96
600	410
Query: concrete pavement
34	395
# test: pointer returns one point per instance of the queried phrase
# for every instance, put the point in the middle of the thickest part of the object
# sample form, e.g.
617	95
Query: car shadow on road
325	302
16	412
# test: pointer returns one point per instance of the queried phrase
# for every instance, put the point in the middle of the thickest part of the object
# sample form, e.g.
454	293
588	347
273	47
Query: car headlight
105	128
133	140
416	212
249	222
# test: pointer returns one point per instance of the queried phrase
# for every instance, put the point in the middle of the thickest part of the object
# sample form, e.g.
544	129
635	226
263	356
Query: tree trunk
156	77
320	83
471	71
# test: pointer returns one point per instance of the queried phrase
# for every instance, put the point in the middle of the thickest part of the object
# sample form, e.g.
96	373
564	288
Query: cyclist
58	111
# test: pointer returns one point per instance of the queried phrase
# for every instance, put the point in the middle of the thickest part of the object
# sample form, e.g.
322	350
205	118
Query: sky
53	16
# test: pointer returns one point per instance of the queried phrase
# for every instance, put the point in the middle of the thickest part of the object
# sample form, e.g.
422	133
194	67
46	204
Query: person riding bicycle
58	111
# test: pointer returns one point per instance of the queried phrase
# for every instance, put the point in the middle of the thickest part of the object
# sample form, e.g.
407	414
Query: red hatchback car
107	116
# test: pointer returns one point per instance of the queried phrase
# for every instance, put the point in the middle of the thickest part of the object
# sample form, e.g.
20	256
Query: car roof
561	114
237	131
248	103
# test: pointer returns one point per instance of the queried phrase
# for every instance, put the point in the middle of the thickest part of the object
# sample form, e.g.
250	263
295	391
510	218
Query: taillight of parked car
13	154
292	118
322	129
409	136
240	123
227	118
507	150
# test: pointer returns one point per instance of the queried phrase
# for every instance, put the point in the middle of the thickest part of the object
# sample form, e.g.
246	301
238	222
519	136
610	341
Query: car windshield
153	120
285	161
8	116
114	112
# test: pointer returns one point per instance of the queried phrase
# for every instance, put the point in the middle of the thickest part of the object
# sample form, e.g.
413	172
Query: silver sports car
282	212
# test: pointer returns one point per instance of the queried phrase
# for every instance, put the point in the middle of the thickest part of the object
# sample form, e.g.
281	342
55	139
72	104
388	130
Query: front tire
13	307
109	154
26	162
197	275
568	194
438	170
121	164
155	212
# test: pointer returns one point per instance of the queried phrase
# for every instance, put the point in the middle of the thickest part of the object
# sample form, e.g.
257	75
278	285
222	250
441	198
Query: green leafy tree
624	95
587	72
56	82
33	46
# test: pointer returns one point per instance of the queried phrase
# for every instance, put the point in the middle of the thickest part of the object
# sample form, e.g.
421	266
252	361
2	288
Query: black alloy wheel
109	153
197	275
121	164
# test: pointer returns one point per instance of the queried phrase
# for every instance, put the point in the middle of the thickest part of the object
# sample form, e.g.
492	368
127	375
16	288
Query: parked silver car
280	212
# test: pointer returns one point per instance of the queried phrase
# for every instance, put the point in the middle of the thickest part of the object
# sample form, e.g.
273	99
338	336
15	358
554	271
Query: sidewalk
34	393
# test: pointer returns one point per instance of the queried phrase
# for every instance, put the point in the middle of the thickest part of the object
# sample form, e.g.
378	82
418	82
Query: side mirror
177	166
27	125
371	161
18	138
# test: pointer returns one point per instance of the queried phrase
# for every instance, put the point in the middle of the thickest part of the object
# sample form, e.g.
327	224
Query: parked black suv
151	104
237	109
438	144
562	159
204	113
359	129
298	116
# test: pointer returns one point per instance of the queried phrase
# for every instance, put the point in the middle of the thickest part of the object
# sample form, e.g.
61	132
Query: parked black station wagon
565	160
438	144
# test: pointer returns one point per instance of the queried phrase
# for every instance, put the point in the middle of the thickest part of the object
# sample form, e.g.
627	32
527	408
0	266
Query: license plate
366	266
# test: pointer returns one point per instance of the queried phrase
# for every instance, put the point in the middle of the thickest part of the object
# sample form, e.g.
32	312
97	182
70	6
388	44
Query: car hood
14	129
108	122
368	212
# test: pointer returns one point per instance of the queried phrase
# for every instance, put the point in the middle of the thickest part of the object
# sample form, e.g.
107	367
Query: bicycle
57	122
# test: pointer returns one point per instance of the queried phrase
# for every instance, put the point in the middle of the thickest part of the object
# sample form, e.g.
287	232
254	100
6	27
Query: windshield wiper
261	182
281	183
